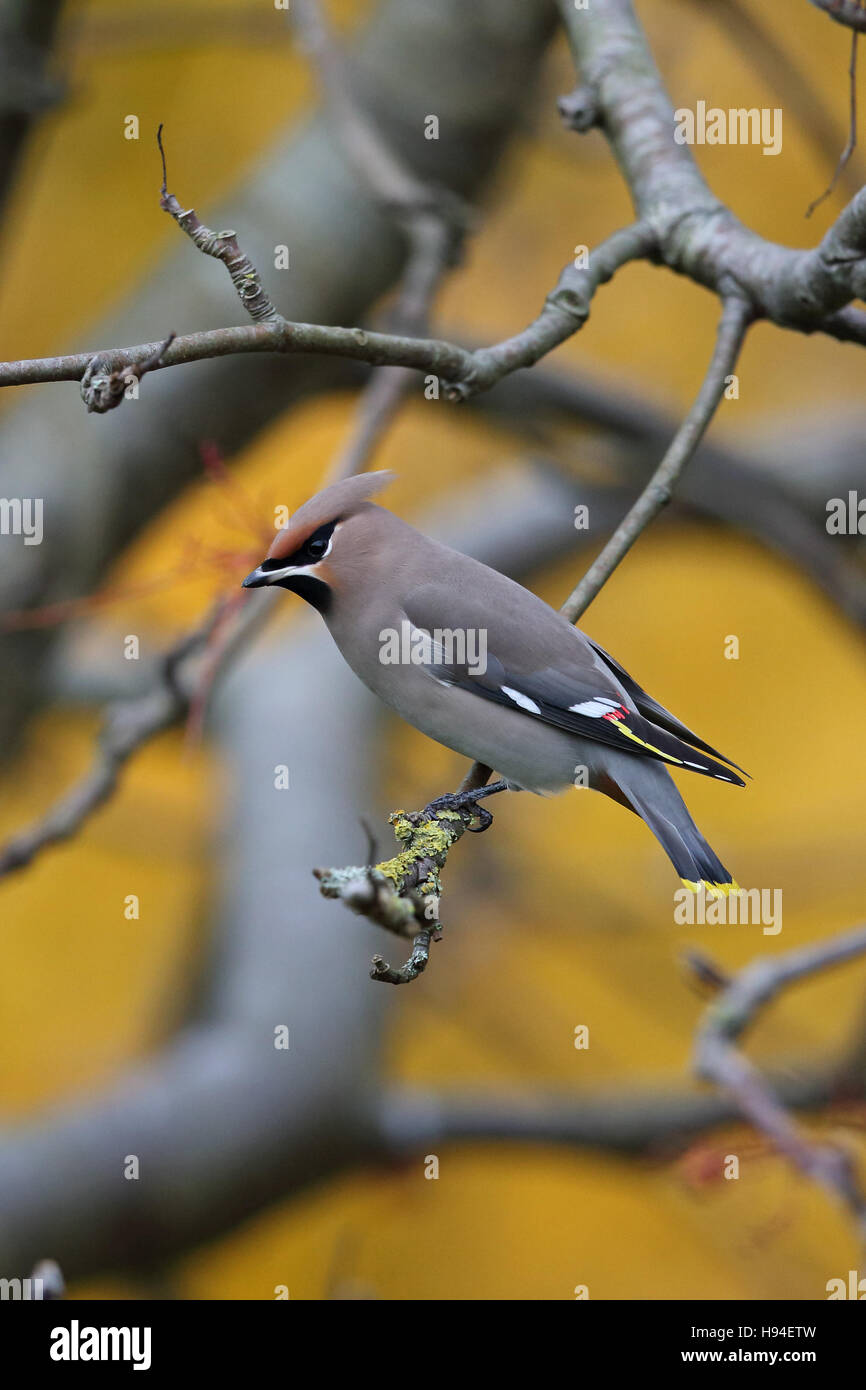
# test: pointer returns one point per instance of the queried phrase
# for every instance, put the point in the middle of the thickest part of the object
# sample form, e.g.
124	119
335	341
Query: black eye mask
312	550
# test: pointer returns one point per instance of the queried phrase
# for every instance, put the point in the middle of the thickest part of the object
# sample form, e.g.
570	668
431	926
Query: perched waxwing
485	667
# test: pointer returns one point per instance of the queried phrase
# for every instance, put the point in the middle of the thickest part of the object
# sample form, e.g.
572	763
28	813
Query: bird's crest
333	503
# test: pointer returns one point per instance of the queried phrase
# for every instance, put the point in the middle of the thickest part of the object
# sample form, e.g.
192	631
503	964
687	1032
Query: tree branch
736	317
735	320
130	724
223	246
103	480
851	13
719	1060
851	142
565	312
402	894
697	235
793	84
433	218
681	224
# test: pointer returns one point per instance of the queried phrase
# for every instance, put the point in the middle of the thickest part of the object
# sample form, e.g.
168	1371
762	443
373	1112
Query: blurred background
152	1036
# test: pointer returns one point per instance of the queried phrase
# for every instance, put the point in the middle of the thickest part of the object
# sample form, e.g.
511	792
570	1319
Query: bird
484	666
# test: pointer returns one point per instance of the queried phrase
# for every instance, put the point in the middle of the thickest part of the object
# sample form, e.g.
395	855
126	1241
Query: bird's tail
649	790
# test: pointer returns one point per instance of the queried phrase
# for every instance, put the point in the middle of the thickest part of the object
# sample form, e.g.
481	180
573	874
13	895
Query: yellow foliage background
561	915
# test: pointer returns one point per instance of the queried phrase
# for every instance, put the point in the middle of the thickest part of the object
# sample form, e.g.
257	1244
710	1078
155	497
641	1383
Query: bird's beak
256	578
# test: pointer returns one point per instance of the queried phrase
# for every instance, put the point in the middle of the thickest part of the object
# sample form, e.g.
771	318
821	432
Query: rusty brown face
297	556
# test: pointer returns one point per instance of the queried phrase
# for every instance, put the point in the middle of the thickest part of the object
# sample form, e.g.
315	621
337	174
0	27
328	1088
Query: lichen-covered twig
380	969
402	894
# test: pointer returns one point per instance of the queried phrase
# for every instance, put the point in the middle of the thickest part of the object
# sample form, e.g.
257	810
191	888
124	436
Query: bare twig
790	79
734	323
852	129
131	723
281	336
735	320
223	246
102	391
462	372
103	388
732	485
718	1059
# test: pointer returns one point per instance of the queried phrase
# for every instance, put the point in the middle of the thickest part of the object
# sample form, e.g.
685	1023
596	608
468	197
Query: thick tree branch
697	235
851	13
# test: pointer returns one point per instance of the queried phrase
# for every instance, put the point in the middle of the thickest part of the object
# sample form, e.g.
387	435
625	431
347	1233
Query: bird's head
301	557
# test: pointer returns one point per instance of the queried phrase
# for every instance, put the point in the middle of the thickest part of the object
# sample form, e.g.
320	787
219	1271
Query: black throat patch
315	591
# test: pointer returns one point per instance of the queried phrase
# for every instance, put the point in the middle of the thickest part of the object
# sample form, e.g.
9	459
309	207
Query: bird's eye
317	547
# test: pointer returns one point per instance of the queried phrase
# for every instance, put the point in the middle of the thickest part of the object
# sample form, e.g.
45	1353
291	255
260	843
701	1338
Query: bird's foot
467	801
460	801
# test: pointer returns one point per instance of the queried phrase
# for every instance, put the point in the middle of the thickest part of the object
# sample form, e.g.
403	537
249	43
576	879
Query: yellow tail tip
713	890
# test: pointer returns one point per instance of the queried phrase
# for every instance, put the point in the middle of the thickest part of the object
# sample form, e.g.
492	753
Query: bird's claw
461	801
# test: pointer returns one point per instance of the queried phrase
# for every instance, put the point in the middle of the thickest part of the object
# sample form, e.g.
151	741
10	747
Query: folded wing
556	676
